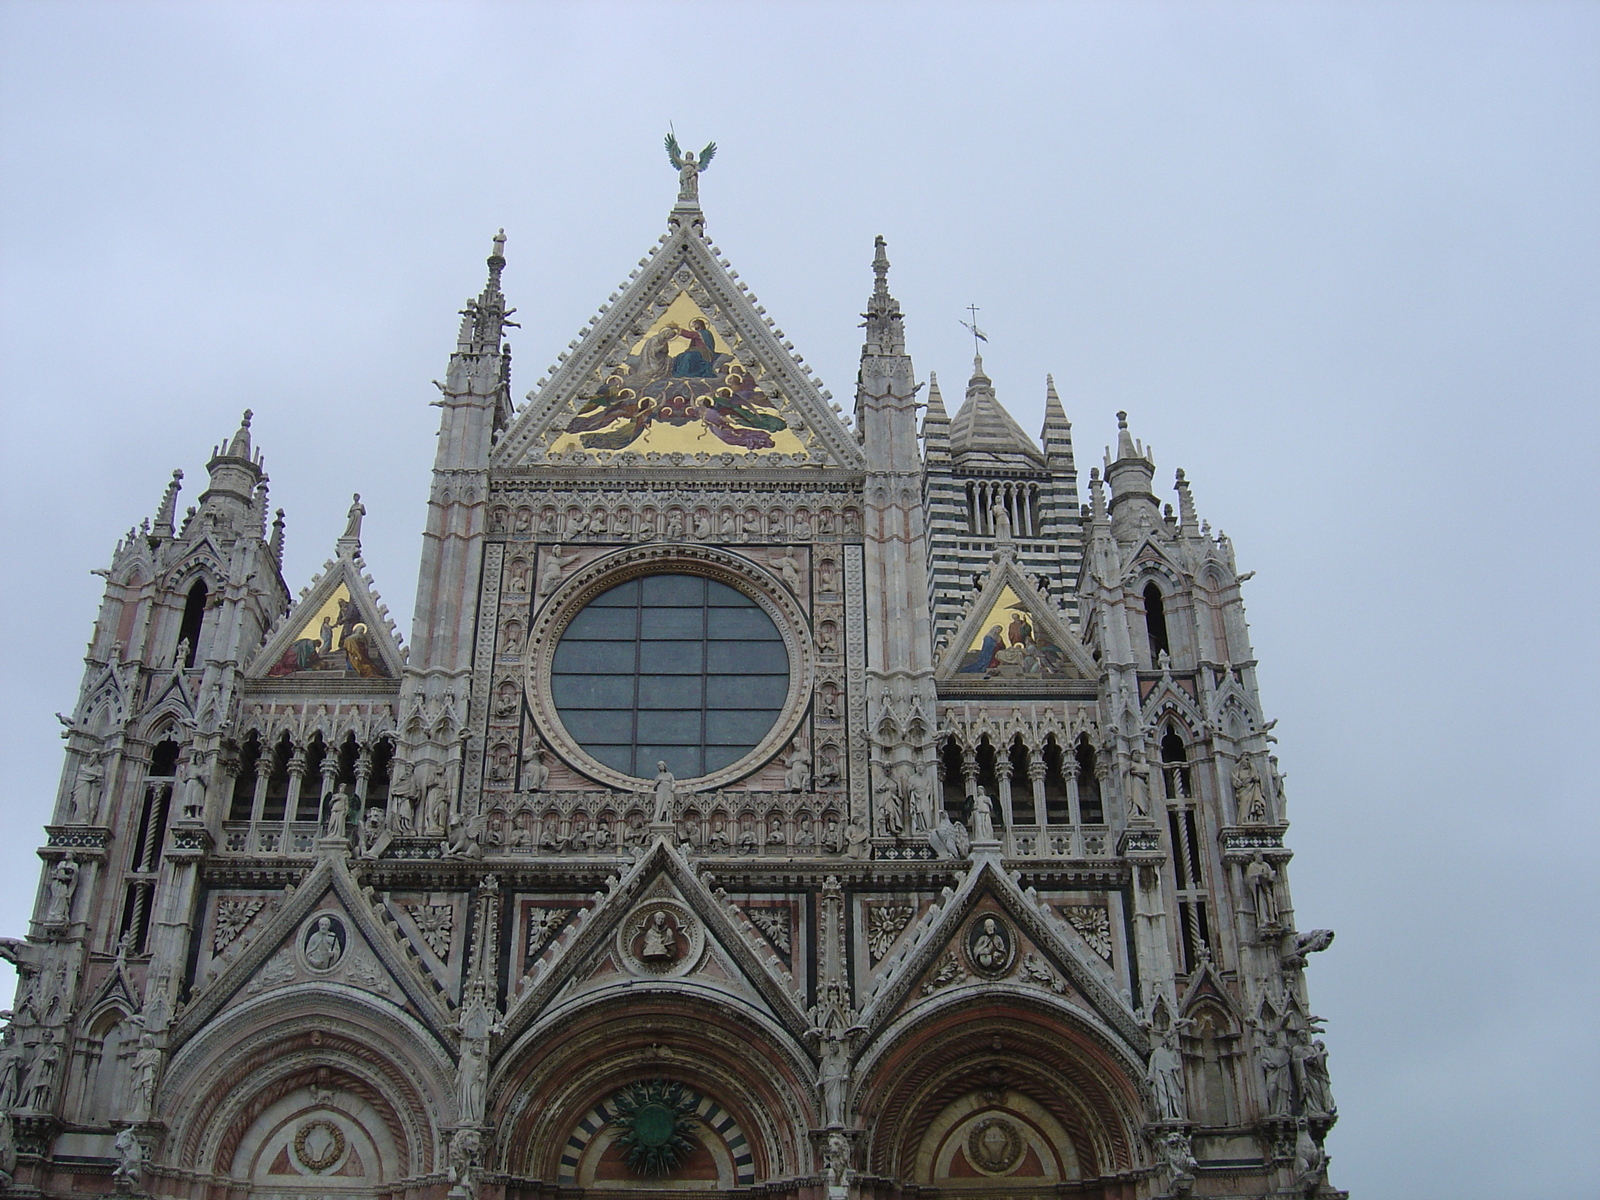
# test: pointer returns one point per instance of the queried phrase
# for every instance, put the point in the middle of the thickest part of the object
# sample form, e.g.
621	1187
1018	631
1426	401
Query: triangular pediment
681	367
338	629
659	923
1012	634
988	933
327	931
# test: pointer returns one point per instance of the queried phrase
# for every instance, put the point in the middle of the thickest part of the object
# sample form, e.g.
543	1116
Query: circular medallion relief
991	947
994	1146
679	654
319	1145
660	937
322	942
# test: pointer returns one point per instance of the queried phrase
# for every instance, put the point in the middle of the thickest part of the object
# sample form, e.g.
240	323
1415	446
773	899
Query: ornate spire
1188	521
485	318
984	429
1131	474
239	447
1057	432
167	513
936	424
886	332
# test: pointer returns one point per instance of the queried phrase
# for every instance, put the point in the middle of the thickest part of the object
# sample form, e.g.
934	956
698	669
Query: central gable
682	367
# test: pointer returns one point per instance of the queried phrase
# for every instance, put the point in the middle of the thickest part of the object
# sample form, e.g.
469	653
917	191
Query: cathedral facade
768	801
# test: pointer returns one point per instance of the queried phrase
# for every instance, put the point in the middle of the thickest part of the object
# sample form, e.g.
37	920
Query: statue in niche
40	1084
1164	1074
797	775
832	838
804	839
890	821
535	774
660	939
1277	1067
990	950
84	803
702	525
1260	878
664	787
10	1070
324	945
402	799
436	808
63	882
856	841
146	1070
717	842
338	812
577	524
982	816
1309	1059
802	527
674	528
1249	796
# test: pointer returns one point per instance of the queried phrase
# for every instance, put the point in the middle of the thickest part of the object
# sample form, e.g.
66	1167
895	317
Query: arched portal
1012	1092
322	1091
587	1099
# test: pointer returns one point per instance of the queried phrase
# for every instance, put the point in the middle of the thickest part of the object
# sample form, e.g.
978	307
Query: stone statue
1275	1064
403	799
949	838
660	940
1164	1074
889	815
338	812
833	1076
130	1160
836	1163
63	882
1260	877
1310	1160
797	775
84	803
555	566
1139	793
1181	1164
10	1070
436	809
352	526
1309	1060
535	774
466	1148
1002	523
472	1075
689	168
663	795
39	1087
370	832
1249	796
856	841
323	950
146	1071
982	816
789	568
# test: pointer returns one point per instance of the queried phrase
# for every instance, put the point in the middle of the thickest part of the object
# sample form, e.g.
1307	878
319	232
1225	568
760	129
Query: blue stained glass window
670	667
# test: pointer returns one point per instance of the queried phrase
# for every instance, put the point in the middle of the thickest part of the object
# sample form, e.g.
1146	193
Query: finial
167	513
880	263
978	335
1122	420
276	544
239	447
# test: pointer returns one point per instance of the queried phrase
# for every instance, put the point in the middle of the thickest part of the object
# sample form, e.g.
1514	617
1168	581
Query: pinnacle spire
166	513
885	328
936	423
239	447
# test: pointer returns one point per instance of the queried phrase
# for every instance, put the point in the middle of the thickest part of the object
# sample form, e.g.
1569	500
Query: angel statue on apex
689	168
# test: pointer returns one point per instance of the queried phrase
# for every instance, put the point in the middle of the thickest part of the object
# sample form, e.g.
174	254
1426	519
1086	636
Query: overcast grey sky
1337	261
